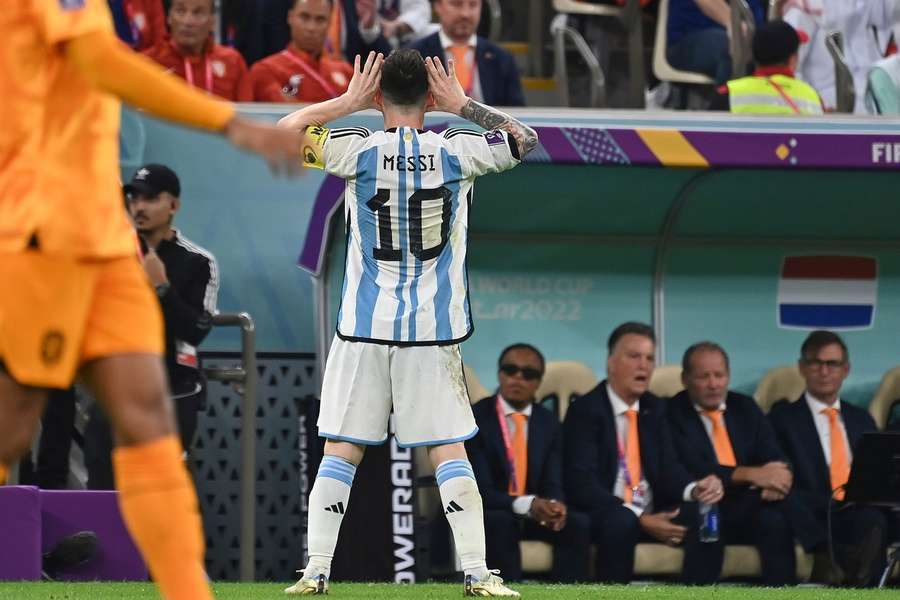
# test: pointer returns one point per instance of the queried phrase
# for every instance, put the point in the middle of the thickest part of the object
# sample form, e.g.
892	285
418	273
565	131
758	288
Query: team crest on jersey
493	138
218	68
71	4
293	85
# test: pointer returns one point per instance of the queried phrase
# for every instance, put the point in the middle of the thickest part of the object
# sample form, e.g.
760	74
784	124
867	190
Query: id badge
639	496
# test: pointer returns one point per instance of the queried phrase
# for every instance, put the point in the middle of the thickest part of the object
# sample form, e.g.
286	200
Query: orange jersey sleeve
62	20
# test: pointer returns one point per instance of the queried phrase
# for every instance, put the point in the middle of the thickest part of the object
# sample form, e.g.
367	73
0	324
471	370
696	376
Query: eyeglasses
528	373
815	363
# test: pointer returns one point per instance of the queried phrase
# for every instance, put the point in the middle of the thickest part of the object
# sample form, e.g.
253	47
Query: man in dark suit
818	433
487	72
725	433
620	463
517	459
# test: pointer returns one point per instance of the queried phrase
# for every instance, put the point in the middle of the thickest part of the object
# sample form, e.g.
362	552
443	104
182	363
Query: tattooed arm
450	97
491	118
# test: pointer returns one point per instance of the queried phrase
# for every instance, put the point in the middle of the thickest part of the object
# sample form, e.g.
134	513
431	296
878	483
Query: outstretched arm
360	95
450	97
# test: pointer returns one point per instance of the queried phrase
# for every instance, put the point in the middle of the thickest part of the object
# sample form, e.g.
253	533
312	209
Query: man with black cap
772	89
186	279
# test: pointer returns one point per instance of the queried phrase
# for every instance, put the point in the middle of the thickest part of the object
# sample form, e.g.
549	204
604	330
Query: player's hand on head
279	147
448	94
365	81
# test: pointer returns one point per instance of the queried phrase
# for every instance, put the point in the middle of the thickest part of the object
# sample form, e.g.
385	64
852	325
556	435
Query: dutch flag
827	292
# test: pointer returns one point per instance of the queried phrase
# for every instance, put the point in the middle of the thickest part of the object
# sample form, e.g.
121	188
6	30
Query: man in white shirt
620	463
818	433
517	459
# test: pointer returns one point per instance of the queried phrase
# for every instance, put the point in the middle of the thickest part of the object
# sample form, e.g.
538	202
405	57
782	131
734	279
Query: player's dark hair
641	329
818	340
294	3
705	346
404	81
522	346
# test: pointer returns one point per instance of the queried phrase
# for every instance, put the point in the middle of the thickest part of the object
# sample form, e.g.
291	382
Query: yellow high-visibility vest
775	95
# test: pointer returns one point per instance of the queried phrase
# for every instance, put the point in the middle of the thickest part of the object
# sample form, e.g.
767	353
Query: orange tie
520	455
334	32
840	463
632	454
721	441
463	70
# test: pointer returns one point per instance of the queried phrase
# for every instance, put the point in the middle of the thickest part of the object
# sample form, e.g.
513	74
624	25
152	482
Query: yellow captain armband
314	147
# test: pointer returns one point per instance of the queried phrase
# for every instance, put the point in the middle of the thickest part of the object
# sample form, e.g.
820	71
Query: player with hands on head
404	307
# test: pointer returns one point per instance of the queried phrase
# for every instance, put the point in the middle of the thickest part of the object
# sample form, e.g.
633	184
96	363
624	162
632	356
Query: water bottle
709	522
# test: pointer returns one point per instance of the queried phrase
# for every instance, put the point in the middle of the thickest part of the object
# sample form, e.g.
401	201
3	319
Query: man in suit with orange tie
818	433
620	463
517	459
487	72
722	432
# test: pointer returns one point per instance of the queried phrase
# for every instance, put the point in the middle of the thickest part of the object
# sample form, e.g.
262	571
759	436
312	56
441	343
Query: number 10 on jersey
427	218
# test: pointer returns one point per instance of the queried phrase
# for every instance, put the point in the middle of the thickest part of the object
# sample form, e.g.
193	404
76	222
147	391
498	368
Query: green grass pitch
361	591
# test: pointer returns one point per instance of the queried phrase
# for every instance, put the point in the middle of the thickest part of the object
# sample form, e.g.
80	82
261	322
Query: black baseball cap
775	42
151	180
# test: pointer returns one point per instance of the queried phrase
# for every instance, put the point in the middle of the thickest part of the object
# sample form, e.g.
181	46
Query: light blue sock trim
337	468
453	468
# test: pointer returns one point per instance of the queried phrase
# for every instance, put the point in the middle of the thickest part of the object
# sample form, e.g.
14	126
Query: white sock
327	504
464	512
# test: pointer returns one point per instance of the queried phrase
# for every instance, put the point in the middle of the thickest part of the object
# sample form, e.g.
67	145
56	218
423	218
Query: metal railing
496	23
243	378
562	31
844	90
741	43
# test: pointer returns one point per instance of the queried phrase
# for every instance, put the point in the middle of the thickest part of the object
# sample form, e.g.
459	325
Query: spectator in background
698	34
355	29
301	72
772	89
139	23
518	465
717	431
191	53
404	21
819	433
256	28
186	278
866	29
487	72
620	464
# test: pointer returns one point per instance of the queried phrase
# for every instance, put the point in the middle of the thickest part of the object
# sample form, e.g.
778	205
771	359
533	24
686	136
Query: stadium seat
740	561
888	392
564	380
473	386
666	381
781	383
661	67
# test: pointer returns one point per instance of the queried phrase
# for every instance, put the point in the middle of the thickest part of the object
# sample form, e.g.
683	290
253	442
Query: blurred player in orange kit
75	297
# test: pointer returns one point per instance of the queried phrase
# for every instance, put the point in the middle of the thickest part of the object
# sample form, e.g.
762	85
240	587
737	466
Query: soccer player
74	294
405	306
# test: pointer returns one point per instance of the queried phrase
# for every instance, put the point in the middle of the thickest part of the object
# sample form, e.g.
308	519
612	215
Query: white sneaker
492	585
308	586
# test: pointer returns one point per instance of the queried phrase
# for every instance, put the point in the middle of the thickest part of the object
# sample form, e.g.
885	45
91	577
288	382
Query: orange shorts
57	313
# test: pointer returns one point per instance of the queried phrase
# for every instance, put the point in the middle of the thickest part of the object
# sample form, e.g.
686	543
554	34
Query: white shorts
424	386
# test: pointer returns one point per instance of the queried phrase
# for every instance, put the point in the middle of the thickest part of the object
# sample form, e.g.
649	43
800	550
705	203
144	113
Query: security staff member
186	279
772	89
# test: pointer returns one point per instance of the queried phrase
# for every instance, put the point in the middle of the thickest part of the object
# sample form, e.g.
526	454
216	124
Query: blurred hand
660	526
549	513
360	94
366	10
279	147
771	496
708	490
774	476
448	94
154	267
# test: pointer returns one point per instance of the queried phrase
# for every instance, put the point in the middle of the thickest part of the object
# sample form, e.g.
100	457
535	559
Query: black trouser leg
615	532
860	537
52	471
187	410
702	560
775	541
503	532
98	445
571	546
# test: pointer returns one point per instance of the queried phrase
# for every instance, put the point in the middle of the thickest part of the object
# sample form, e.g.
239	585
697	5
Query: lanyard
784	95
189	73
501	417
311	72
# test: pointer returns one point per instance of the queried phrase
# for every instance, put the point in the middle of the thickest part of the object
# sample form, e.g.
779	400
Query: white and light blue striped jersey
407	209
